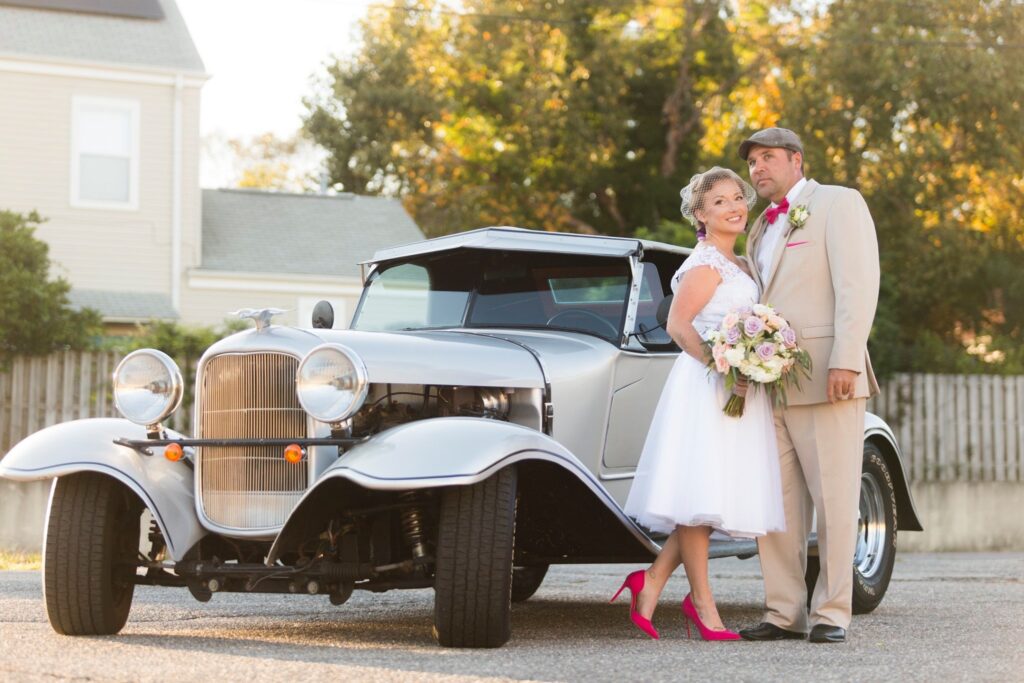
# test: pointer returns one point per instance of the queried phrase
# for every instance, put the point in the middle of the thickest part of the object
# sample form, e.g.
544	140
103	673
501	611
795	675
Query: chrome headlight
147	386
331	383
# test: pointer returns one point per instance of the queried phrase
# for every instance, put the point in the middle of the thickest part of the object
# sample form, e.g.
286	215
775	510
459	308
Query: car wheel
876	533
90	554
526	581
473	579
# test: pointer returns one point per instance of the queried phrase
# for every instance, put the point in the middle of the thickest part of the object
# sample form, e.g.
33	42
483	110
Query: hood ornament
262	316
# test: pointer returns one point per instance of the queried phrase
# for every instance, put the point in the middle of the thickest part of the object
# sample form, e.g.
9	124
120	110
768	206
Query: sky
261	55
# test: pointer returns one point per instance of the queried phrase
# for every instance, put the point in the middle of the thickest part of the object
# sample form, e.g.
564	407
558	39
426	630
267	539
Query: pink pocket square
796	244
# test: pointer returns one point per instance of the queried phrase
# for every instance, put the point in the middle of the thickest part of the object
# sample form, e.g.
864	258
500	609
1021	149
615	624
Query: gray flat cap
772	137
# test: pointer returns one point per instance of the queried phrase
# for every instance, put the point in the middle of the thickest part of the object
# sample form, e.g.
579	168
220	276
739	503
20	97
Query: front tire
876	533
90	555
473	581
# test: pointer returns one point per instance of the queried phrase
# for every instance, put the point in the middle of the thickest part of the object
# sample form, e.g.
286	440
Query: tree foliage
916	105
35	315
588	115
579	117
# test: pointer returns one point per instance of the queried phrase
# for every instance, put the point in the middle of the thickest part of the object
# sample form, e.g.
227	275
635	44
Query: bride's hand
741	386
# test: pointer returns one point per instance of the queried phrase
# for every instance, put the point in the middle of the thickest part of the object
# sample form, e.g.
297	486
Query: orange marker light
174	452
293	453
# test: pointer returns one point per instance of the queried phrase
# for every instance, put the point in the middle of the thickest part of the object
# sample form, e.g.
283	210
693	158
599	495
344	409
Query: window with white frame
105	153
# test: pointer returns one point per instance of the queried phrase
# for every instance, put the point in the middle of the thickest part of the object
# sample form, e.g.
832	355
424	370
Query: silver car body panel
454	451
416	357
88	446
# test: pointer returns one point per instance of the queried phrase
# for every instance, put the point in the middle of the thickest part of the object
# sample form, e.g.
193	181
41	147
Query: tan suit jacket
824	279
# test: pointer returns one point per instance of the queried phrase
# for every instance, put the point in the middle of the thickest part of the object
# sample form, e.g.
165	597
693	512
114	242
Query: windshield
477	288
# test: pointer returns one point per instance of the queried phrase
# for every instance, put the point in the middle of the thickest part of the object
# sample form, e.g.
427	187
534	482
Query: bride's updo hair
694	194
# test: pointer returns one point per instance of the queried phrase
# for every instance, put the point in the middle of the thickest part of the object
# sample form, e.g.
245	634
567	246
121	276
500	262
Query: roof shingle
124	306
299	234
80	36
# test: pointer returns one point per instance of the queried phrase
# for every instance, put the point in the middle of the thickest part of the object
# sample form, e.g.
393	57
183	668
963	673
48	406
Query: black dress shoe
768	631
823	633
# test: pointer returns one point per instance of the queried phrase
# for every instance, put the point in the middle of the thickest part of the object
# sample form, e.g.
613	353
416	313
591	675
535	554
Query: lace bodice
736	290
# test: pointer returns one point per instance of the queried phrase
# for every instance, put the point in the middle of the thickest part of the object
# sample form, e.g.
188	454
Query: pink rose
721	364
730	320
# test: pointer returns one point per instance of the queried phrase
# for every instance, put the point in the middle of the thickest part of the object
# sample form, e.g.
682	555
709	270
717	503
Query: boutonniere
798	215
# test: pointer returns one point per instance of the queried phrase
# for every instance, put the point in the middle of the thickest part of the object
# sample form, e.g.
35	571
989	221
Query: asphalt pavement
947	617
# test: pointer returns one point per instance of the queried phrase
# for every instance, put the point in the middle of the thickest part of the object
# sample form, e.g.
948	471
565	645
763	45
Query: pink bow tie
773	212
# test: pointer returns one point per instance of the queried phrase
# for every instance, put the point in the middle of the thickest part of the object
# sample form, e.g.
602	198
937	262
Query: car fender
879	433
87	445
456	451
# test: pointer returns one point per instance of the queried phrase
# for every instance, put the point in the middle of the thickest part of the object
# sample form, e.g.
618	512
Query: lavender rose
765	351
788	337
753	325
732	336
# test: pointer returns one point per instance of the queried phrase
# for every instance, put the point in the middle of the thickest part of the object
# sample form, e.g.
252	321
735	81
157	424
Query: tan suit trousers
821	454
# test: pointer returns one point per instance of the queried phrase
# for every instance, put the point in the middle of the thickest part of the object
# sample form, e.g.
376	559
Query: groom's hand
840	384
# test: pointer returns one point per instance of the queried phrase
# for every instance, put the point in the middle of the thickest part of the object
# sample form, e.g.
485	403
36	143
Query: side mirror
323	315
661	315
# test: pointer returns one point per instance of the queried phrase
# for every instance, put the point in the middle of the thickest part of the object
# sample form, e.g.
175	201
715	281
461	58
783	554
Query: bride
701	470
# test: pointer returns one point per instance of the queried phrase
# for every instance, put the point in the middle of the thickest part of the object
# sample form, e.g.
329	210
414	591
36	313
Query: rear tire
876	536
473	582
876	533
91	551
526	581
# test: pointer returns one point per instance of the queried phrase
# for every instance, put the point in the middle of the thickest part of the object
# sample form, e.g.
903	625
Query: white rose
734	357
762	310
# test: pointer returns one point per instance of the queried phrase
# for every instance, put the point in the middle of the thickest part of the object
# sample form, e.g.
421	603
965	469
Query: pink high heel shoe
690	612
635	583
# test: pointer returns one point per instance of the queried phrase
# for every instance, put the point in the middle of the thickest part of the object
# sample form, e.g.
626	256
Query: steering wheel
586	319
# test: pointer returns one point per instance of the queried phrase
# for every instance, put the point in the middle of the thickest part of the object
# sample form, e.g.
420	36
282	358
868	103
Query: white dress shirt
770	239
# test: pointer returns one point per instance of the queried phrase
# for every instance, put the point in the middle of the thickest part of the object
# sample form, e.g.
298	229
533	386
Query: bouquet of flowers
757	343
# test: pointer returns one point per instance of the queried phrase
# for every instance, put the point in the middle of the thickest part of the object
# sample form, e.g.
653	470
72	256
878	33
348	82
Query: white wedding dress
700	467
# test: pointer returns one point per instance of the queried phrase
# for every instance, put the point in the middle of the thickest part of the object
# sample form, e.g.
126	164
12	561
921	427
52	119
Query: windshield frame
620	338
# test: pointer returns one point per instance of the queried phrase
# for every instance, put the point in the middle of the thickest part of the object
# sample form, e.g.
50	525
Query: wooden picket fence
956	427
949	427
40	391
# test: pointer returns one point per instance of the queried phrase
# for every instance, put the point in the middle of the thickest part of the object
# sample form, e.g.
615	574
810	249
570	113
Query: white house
99	132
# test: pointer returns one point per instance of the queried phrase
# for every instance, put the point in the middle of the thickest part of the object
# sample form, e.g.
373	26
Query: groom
814	255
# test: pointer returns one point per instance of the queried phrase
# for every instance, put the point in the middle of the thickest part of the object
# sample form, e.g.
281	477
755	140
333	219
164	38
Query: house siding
211	305
99	248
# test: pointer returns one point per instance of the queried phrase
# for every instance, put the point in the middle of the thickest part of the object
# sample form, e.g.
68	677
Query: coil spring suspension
414	523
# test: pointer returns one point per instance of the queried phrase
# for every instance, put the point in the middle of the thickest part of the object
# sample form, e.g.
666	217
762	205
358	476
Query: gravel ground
946	617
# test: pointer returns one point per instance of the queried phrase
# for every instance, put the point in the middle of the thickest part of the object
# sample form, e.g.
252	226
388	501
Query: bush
35	314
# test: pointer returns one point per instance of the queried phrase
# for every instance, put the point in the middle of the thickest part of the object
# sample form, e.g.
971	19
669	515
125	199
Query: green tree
916	105
581	115
35	316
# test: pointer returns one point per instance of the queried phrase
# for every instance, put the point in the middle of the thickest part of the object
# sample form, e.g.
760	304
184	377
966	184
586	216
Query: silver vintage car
479	421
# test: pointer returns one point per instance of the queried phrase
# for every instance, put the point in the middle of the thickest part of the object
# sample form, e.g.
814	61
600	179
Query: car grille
249	396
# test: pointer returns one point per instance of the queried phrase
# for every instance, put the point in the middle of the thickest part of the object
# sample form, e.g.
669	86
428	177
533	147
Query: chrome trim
248	489
629	340
870	527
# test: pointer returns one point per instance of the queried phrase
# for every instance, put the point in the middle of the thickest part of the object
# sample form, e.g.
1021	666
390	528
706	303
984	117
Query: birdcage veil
695	193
